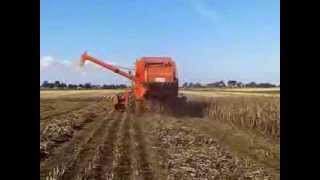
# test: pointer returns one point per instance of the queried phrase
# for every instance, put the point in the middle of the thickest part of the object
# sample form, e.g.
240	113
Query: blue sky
210	40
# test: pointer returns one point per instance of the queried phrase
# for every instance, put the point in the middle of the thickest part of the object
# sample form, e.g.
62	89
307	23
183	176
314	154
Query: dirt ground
81	137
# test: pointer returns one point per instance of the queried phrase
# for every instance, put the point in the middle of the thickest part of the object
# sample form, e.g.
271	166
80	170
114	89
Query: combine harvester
154	84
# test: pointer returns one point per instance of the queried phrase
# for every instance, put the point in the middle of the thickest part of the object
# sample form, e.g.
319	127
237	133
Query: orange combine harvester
155	80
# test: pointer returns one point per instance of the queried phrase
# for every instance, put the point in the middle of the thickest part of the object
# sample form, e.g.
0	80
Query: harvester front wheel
138	109
131	104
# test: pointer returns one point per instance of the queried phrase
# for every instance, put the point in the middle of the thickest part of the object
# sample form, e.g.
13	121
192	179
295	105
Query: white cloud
204	9
45	62
52	69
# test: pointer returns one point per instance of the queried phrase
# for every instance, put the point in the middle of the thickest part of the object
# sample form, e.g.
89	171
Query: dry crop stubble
260	114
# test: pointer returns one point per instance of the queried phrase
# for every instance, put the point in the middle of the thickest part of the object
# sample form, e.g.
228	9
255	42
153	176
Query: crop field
216	135
214	92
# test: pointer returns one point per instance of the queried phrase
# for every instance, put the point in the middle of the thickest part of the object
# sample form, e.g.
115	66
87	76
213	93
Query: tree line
231	83
218	84
61	85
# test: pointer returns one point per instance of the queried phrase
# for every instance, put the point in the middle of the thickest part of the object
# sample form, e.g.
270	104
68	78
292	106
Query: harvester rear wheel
154	105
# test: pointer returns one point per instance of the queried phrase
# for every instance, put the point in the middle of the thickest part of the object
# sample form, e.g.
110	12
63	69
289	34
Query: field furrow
122	163
87	151
104	157
143	170
66	158
59	112
67	113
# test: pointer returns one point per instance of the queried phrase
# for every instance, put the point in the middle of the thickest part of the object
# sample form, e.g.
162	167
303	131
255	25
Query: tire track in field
44	122
122	163
143	166
67	152
61	130
102	165
87	151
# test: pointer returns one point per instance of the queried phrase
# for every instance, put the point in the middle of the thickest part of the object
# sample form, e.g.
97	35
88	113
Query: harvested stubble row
189	154
261	114
61	130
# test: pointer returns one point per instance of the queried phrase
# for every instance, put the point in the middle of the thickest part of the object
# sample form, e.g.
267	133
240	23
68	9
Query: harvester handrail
86	57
